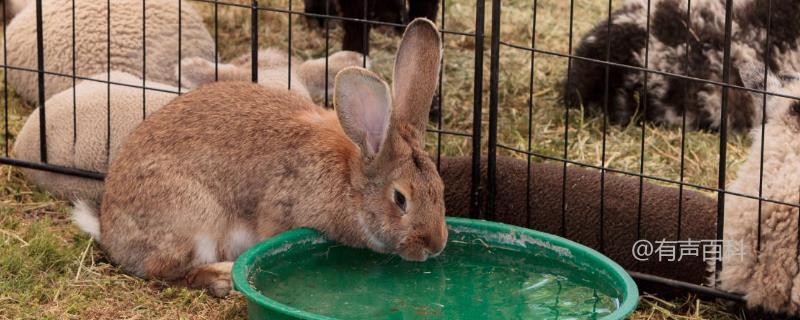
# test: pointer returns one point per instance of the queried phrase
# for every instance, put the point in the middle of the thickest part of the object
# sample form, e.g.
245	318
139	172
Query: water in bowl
461	283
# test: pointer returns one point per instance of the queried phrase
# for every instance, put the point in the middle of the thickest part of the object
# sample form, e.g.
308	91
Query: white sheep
306	77
82	144
768	278
91	41
88	151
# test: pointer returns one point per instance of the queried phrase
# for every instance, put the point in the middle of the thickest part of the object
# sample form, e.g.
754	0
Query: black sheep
391	11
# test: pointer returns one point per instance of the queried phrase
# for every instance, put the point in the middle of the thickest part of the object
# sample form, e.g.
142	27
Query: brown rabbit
228	165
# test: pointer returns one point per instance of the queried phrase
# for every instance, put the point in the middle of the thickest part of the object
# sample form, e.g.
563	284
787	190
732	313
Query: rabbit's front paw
215	277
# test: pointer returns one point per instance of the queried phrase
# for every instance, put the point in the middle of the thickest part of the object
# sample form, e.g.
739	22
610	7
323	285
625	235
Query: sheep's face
794	112
782	112
785	112
781	133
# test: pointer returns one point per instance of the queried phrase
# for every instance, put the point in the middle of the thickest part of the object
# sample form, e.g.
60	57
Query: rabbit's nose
435	244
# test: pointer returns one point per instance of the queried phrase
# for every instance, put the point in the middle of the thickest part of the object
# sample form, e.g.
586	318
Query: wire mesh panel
236	28
674	152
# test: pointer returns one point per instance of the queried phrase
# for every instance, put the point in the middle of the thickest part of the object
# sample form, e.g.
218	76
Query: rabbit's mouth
418	249
416	255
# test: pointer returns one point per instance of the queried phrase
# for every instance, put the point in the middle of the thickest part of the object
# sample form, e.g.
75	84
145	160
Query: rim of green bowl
241	272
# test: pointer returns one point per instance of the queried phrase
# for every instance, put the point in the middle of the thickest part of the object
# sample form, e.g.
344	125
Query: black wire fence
482	139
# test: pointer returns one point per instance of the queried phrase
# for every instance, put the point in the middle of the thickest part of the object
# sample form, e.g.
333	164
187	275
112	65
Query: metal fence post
254	41
494	70
477	107
723	127
40	69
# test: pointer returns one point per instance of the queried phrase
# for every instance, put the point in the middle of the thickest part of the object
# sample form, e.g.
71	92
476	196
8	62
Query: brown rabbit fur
191	189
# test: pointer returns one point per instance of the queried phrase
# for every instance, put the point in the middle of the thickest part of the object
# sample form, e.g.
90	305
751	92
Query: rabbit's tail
85	217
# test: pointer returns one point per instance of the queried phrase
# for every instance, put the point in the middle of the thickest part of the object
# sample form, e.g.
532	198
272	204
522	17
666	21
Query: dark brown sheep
391	11
659	219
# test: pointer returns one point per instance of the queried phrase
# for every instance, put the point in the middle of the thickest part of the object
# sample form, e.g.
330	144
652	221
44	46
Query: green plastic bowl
488	270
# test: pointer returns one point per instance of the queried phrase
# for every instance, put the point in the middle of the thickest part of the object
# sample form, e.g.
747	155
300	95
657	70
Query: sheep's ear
197	71
753	77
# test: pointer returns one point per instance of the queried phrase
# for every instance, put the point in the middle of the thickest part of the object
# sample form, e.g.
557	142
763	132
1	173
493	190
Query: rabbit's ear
364	106
416	73
752	74
197	71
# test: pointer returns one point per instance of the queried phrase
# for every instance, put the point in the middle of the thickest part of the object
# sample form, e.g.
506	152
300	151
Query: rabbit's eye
400	200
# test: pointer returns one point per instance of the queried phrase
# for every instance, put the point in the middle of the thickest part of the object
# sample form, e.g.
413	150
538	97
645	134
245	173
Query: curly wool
90	131
668	98
91	38
308	78
769	277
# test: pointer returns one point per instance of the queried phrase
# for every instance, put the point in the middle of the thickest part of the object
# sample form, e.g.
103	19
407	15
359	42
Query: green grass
48	269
